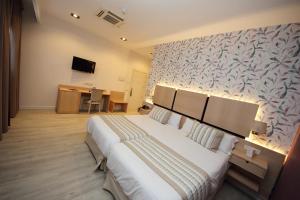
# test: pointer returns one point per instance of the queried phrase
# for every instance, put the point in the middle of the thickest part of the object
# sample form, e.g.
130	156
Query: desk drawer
248	166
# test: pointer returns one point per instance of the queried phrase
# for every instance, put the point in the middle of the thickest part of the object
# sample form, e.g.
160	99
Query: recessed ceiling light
75	15
123	39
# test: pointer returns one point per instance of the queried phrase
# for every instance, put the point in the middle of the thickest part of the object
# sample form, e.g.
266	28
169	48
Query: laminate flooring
43	157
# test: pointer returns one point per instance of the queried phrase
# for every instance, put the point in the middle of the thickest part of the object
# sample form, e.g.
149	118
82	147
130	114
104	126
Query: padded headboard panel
190	103
164	96
231	115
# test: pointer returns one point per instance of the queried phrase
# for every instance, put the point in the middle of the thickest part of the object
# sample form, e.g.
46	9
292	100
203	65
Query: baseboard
37	107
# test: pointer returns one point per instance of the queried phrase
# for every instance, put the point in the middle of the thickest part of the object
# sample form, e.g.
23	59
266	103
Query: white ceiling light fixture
75	15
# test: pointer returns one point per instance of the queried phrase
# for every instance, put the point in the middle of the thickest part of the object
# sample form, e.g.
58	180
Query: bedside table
143	111
247	171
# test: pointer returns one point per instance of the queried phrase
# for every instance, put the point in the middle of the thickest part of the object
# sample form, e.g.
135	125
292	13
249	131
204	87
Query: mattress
138	181
105	137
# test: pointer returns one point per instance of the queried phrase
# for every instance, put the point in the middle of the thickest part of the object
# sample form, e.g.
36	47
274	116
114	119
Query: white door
137	90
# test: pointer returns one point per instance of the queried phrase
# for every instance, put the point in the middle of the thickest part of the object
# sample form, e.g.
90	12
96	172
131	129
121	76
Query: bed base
96	152
110	184
113	187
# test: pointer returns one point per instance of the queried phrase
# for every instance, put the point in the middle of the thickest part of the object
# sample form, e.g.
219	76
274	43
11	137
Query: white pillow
227	143
187	126
174	120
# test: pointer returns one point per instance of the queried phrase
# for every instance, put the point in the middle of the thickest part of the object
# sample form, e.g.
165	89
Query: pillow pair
160	114
209	137
205	135
165	116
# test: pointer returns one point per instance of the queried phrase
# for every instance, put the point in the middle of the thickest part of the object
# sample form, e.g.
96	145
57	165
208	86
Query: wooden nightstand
143	111
248	171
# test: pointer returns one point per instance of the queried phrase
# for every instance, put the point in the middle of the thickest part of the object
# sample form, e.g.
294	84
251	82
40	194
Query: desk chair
117	99
96	98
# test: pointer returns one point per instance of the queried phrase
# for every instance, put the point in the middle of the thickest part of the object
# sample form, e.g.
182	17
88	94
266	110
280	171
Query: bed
136	170
101	136
161	162
139	181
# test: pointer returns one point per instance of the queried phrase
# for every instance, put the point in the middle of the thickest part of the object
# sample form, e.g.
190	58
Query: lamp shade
259	127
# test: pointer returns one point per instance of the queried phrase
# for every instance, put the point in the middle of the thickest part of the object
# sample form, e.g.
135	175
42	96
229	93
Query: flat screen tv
83	65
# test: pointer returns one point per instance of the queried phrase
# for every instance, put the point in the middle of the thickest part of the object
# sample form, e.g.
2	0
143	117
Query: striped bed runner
190	181
123	127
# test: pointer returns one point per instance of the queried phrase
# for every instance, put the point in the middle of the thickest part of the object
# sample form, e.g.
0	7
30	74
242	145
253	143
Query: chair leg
90	107
99	107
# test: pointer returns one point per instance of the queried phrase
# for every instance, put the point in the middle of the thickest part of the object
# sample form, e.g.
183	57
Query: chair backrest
96	94
117	96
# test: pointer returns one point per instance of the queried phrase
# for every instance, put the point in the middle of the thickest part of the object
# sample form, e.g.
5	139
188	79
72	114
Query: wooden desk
69	96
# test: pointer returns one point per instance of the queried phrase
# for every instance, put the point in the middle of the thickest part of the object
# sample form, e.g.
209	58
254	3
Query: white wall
46	58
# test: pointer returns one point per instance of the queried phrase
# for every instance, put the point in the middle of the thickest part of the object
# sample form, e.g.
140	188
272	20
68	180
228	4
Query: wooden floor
43	156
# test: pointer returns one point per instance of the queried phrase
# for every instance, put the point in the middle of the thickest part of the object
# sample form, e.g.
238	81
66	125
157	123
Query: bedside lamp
259	128
251	151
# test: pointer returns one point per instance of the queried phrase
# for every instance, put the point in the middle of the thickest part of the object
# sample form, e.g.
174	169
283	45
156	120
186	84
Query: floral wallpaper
260	65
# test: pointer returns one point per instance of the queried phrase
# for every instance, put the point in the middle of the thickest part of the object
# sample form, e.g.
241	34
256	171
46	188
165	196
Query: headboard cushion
164	96
232	115
190	103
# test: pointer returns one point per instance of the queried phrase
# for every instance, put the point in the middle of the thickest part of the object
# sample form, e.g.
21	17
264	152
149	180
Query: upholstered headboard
190	103
234	116
164	96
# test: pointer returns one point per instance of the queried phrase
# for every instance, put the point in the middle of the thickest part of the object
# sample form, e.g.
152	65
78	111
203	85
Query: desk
69	97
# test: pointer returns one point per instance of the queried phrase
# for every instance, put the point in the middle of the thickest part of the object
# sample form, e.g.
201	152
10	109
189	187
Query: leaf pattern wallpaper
260	65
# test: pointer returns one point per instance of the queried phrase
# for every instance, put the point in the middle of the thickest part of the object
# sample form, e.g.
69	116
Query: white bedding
138	181
105	137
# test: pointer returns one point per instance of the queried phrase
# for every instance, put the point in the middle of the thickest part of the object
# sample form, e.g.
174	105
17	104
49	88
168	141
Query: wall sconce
259	128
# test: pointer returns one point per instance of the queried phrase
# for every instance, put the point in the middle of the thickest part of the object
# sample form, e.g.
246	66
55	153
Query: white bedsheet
105	137
138	181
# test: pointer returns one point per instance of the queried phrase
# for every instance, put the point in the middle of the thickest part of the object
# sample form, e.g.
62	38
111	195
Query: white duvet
138	181
105	137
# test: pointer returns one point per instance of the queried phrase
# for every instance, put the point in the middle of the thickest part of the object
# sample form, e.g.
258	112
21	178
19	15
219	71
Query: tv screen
83	65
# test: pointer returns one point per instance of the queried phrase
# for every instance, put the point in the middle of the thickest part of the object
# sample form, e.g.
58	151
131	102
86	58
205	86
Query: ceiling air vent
110	17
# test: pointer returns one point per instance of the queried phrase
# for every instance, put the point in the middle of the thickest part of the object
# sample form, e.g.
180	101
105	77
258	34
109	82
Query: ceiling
149	22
